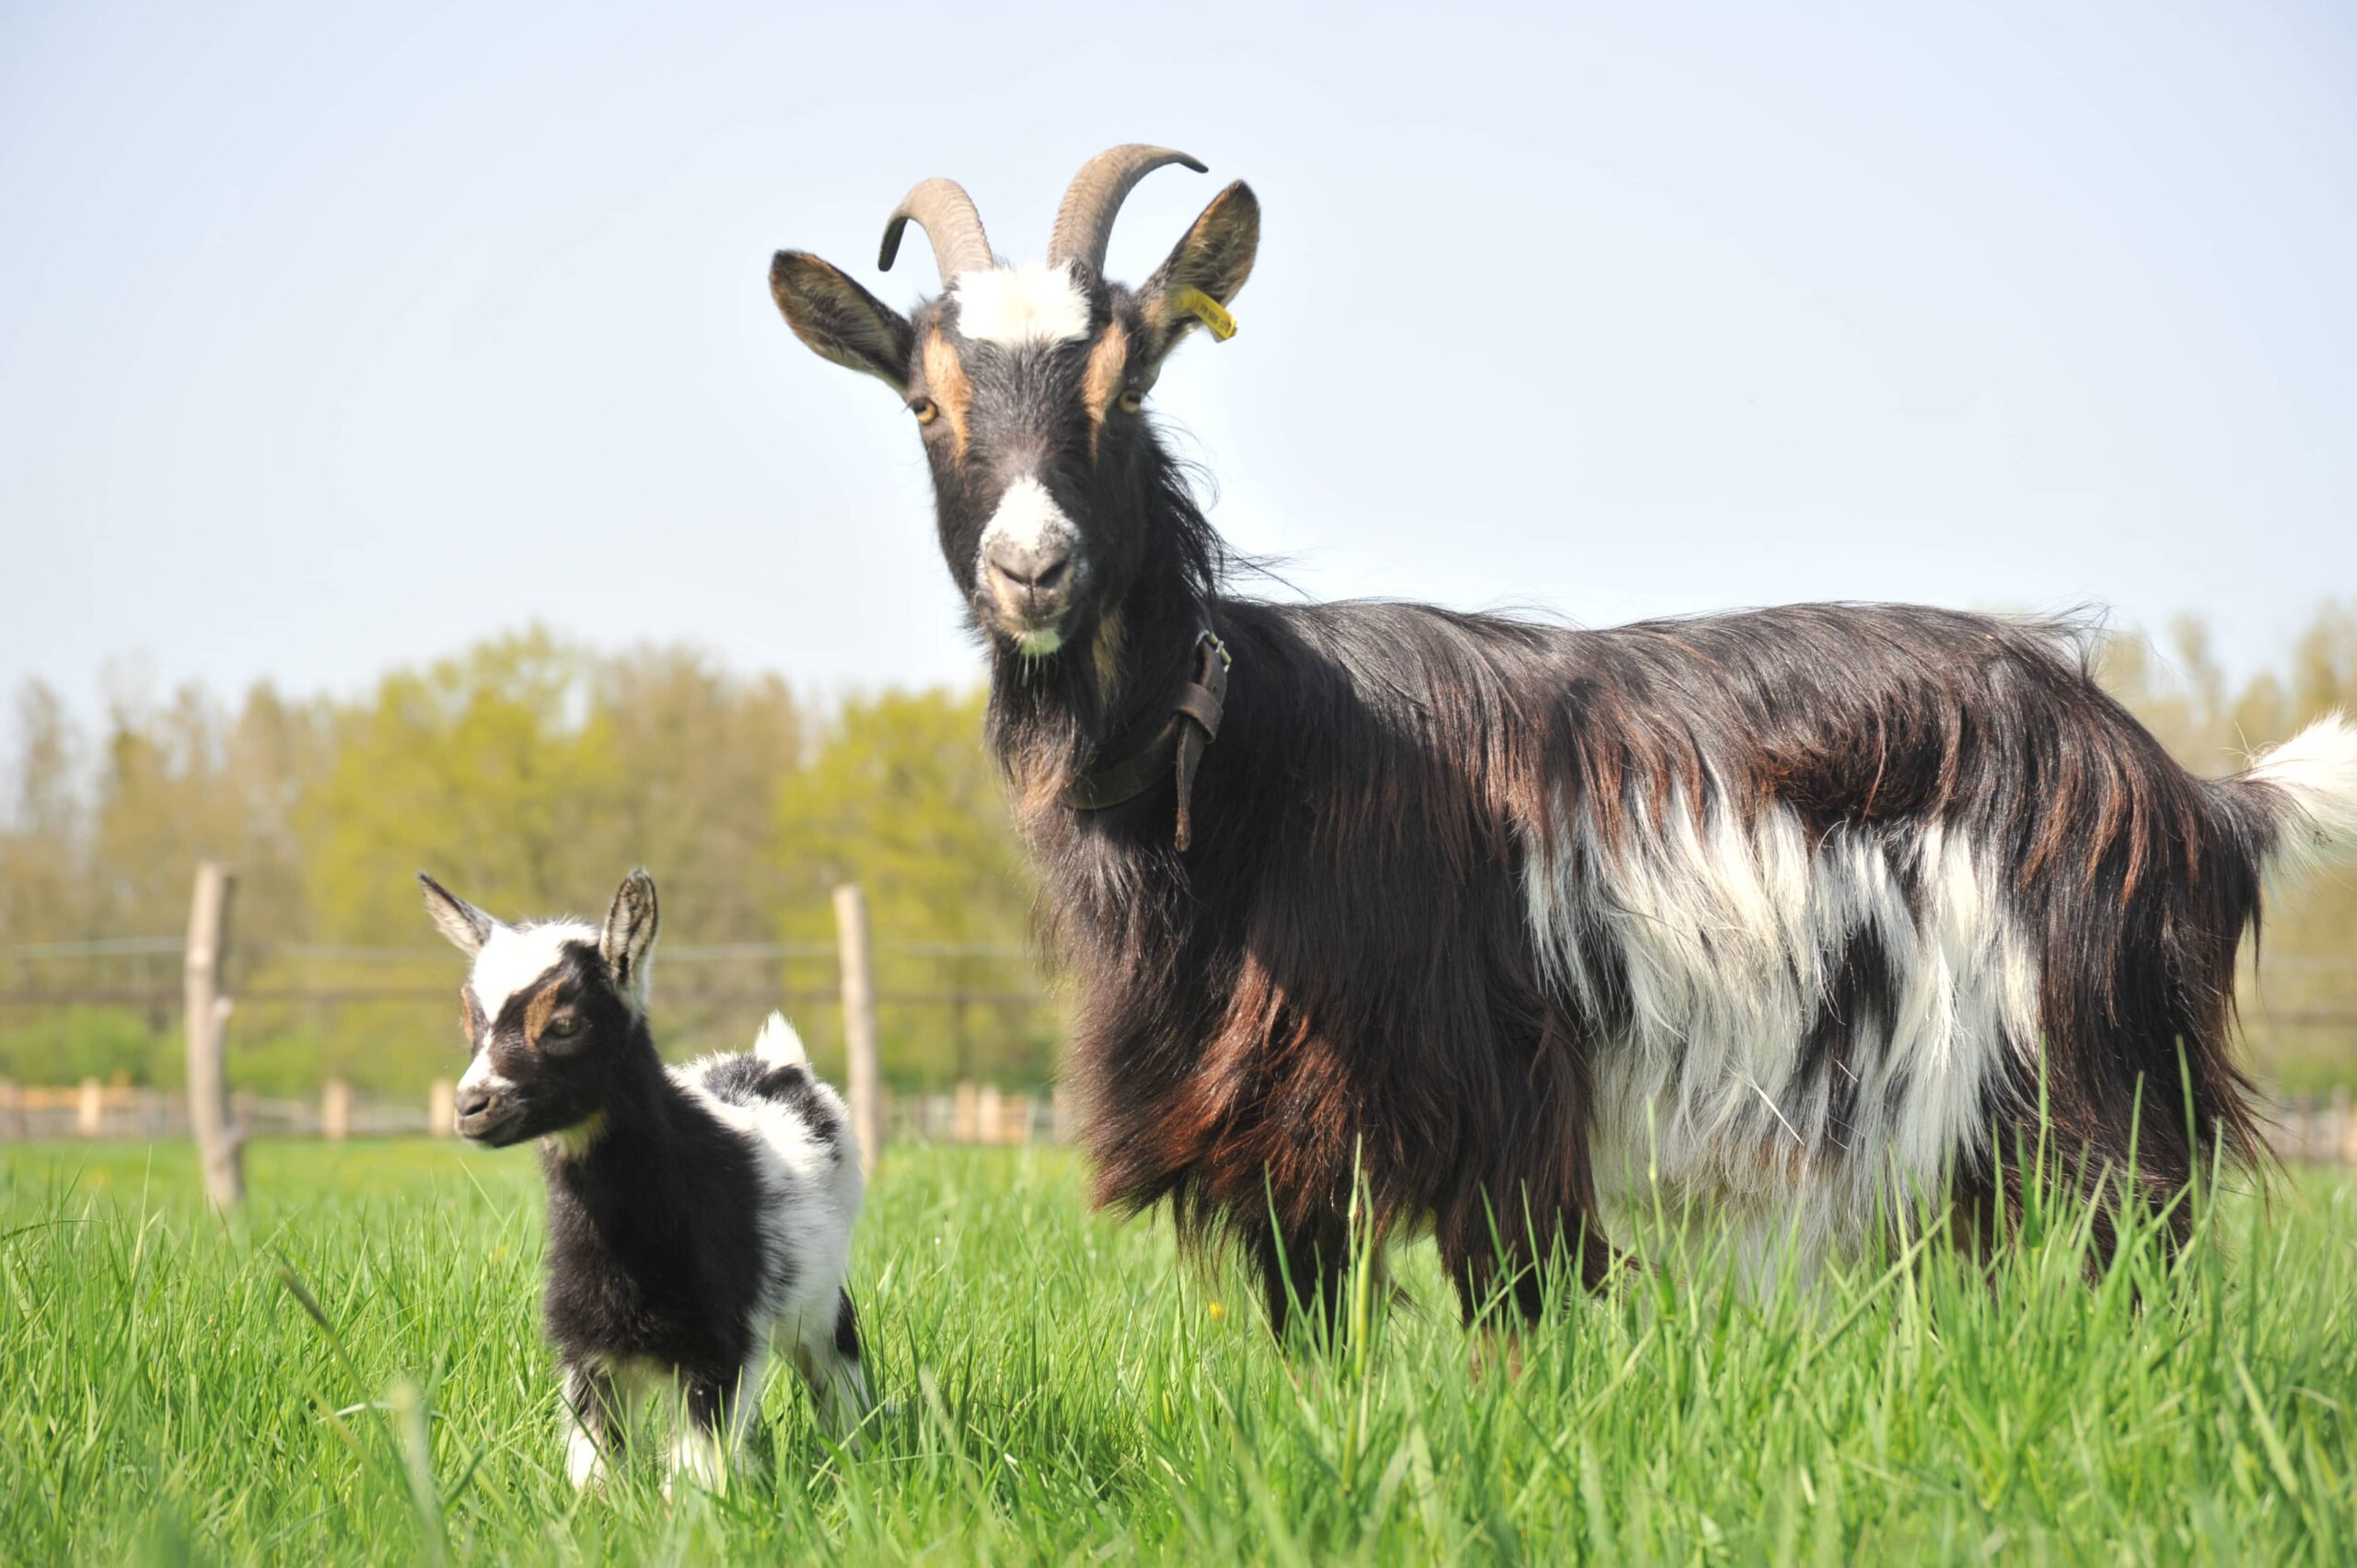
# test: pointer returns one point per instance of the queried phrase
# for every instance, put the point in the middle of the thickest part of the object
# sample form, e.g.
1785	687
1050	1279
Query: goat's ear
841	320
629	936
467	927
1213	260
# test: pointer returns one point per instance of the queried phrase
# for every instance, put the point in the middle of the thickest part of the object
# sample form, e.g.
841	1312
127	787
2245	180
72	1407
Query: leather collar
1177	743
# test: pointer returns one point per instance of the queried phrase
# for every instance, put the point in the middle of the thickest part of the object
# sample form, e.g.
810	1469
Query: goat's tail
2305	790
777	1043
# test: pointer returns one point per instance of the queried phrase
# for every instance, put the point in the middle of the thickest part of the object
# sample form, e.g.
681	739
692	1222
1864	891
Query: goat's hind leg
827	1354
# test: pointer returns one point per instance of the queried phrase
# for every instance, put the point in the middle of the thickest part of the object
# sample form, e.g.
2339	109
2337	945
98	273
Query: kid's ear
1205	270
841	320
467	927
629	936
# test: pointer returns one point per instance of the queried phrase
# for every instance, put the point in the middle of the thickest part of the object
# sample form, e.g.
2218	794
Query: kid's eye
1131	400
925	408
563	1029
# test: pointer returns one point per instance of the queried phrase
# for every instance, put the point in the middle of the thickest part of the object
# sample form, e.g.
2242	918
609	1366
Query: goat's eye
925	408
563	1029
1131	400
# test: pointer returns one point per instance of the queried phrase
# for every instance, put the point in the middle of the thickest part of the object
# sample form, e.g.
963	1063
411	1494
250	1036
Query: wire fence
970	1035
386	1018
970	1113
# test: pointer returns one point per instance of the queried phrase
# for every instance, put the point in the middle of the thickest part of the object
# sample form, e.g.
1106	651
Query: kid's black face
545	1062
553	1013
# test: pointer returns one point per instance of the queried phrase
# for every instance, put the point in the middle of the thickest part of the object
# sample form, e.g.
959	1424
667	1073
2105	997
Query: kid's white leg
827	1353
592	1410
714	1418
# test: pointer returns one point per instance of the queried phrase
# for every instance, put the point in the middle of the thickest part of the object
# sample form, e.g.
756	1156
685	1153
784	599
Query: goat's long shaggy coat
1804	911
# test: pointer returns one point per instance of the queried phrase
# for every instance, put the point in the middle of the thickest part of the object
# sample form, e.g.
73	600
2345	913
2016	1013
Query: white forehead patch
517	955
1038	303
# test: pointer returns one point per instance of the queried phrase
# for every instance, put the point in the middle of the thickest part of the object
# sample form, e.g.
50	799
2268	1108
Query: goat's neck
1053	717
627	1146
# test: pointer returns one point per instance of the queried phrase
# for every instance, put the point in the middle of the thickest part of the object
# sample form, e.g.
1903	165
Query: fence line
970	1113
2310	1131
327	952
147	974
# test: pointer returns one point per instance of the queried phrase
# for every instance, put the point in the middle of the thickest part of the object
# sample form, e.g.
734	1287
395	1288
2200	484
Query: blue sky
334	337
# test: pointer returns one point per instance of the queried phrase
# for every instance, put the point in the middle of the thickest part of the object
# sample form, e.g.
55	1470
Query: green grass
1065	1390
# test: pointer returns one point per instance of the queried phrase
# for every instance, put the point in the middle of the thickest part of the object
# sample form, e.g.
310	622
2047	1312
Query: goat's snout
1030	566
1030	572
482	1109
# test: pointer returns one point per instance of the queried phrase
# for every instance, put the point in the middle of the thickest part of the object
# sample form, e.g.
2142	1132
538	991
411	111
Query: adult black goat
1801	910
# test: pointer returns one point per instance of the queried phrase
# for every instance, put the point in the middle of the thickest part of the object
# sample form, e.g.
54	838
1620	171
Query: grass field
1063	1390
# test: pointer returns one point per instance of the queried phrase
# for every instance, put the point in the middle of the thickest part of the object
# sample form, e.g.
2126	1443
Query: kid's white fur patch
1038	303
777	1042
516	956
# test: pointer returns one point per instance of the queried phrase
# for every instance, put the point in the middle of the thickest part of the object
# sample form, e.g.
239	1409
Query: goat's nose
473	1102
1040	568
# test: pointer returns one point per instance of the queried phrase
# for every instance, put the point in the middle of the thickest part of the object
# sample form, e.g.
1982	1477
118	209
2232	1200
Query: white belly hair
1729	937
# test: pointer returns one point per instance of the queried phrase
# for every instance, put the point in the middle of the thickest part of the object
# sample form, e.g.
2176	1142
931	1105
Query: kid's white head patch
1038	303
516	956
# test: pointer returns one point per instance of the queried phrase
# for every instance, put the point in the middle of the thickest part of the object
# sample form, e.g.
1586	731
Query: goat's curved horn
946	213
1084	220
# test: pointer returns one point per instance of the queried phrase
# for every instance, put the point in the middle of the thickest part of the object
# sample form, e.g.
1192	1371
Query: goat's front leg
1303	1271
595	1418
713	1414
1502	1268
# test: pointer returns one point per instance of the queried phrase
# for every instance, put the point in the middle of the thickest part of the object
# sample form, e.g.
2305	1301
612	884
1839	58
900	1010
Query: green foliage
903	799
485	769
1065	1390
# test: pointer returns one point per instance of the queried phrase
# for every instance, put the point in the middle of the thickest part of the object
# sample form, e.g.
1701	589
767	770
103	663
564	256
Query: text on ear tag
1207	310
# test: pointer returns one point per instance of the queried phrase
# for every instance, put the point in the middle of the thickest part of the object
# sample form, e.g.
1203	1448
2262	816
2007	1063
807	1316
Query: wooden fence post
859	1023
335	1110
220	1142
90	1109
441	1109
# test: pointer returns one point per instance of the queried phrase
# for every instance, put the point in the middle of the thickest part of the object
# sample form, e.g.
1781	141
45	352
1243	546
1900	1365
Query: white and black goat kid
1808	911
698	1217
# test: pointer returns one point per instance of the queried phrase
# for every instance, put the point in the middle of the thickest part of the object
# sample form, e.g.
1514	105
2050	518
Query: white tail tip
777	1042
2315	774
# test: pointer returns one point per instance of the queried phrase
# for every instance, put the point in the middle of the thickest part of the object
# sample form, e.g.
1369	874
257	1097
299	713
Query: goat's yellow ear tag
1207	310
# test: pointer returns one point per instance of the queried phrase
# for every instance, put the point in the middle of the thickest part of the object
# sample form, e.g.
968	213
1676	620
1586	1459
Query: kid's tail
778	1044
2308	789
